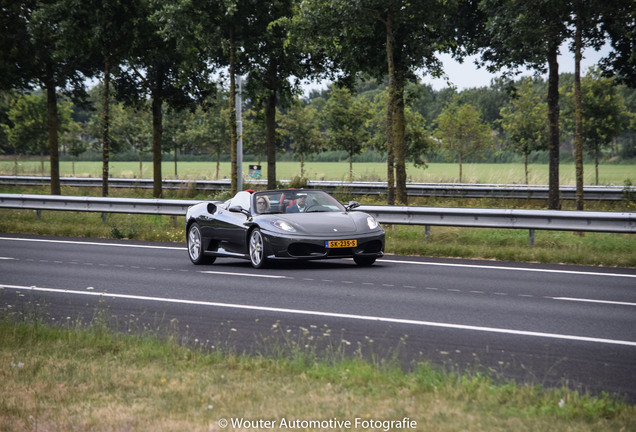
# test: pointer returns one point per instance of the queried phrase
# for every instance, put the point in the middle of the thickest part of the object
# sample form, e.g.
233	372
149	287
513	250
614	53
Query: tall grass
72	377
513	245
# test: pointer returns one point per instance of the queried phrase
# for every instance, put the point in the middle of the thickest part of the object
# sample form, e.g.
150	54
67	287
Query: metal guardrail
557	220
96	204
615	222
455	190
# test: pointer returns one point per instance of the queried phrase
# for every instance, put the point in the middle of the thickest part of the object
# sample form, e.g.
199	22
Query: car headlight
373	224
285	226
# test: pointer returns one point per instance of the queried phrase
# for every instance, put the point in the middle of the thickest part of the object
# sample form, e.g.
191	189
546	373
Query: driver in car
300	206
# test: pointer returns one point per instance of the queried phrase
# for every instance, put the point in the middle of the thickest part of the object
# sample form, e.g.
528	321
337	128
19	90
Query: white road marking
594	301
6	258
183	248
245	274
488	267
330	315
95	243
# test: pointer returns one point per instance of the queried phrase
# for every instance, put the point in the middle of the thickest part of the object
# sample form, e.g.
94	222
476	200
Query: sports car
282	224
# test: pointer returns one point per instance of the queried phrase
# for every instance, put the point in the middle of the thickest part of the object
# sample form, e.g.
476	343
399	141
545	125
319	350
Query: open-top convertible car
292	223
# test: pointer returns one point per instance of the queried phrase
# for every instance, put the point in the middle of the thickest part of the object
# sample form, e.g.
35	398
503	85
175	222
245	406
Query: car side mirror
352	205
239	209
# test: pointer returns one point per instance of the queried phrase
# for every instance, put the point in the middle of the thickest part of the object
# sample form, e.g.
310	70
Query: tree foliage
346	118
524	121
167	58
604	113
301	126
393	39
462	132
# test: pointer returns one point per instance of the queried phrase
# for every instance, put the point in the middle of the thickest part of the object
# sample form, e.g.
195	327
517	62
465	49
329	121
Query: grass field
511	173
80	378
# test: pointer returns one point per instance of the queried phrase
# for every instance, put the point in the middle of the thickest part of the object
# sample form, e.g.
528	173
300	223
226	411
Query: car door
230	228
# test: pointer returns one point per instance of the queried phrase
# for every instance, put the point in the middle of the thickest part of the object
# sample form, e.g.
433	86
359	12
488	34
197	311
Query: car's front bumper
314	247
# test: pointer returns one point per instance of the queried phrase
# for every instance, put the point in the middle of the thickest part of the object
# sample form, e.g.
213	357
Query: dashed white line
386	260
333	315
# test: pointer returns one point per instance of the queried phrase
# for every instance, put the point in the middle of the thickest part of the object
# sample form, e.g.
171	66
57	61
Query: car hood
323	223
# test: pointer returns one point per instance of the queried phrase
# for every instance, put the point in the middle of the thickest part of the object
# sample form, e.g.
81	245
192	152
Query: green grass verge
500	244
72	377
598	249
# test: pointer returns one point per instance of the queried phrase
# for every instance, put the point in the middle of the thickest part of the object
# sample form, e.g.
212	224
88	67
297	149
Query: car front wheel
257	249
195	246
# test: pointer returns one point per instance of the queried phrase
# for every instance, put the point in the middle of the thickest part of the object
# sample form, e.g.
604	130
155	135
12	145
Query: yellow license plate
341	243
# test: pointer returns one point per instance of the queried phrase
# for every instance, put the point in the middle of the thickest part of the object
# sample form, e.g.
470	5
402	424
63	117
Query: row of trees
166	53
454	127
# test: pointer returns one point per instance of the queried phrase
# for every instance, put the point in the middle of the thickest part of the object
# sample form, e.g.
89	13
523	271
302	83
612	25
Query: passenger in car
262	204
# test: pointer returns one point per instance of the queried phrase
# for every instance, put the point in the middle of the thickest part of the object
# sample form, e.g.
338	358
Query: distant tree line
159	77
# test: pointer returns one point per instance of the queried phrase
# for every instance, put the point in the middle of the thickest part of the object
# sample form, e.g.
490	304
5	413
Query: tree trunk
390	156
302	166
578	117
232	101
157	137
597	151
554	202
270	133
105	128
399	143
51	106
396	93
176	174
390	193
218	165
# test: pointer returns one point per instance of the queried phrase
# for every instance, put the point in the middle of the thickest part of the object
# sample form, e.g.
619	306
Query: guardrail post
531	237
38	213
104	215
427	232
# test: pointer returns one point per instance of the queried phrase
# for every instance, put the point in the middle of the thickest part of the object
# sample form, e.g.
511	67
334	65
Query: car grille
305	249
373	246
314	250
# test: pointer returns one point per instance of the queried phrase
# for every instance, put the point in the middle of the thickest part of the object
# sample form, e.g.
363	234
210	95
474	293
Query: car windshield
295	201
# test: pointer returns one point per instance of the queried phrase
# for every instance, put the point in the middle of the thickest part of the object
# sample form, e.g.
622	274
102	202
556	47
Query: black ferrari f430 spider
282	224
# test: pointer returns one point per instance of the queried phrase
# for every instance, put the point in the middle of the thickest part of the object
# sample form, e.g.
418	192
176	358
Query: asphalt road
545	324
